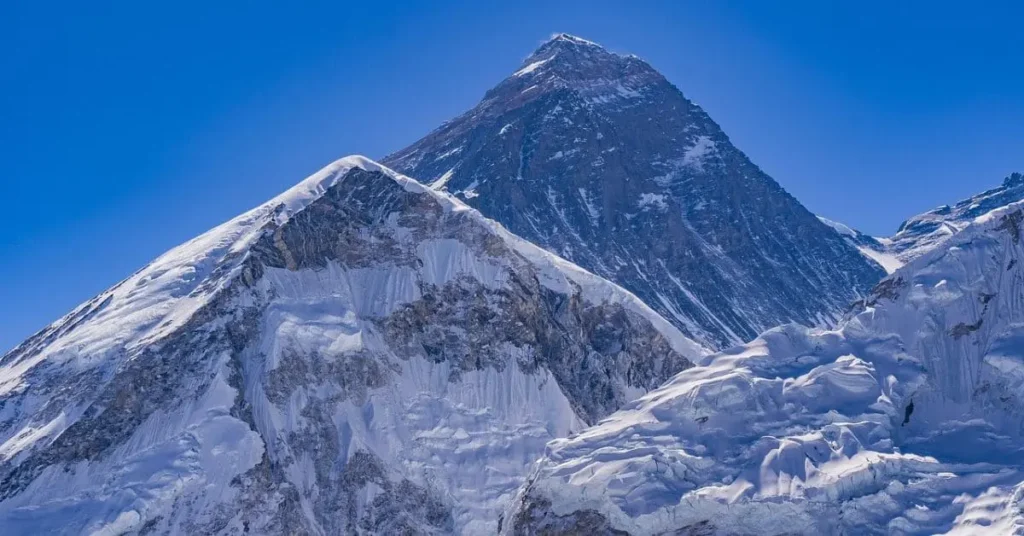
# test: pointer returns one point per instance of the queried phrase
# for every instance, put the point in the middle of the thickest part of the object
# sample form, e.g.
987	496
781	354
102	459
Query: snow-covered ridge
360	340
927	231
161	296
906	420
558	272
164	292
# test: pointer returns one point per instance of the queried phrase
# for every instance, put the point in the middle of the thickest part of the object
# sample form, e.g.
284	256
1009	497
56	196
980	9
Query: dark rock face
593	350
535	518
598	158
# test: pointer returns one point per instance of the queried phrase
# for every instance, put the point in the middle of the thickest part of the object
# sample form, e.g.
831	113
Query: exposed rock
597	157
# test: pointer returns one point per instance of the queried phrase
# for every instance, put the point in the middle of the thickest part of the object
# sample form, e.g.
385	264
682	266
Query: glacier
907	419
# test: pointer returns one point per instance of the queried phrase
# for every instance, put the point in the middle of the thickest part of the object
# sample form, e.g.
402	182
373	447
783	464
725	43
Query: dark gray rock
597	157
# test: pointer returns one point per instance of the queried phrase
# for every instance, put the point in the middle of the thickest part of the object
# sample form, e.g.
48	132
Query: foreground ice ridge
906	420
360	355
597	157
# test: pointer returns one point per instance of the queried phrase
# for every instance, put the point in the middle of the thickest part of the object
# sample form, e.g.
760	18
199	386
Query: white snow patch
442	180
651	200
889	262
592	210
533	66
446	154
696	155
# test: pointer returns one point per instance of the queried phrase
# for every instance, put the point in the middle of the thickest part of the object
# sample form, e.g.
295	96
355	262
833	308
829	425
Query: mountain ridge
926	231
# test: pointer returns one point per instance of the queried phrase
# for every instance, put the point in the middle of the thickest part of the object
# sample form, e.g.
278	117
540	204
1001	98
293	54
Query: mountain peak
597	156
570	49
584	67
1014	179
564	39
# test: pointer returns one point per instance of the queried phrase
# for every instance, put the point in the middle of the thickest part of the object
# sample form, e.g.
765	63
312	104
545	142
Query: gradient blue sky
126	129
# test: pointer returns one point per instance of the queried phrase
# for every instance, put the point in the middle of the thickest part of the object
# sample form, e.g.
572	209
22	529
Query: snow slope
358	355
906	420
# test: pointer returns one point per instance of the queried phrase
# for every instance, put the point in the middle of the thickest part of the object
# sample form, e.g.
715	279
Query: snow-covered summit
567	62
571	39
906	420
566	42
359	355
597	157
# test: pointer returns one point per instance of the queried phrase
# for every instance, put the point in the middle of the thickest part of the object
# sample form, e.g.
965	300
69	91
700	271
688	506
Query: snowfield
906	420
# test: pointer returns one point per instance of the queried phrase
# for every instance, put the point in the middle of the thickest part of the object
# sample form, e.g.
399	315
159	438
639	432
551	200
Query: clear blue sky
127	129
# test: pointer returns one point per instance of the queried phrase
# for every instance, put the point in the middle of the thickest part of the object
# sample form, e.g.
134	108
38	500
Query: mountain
360	355
906	420
597	157
925	232
931	229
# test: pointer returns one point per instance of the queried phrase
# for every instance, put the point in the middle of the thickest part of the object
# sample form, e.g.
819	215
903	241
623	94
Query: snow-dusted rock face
360	355
597	157
925	232
906	420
